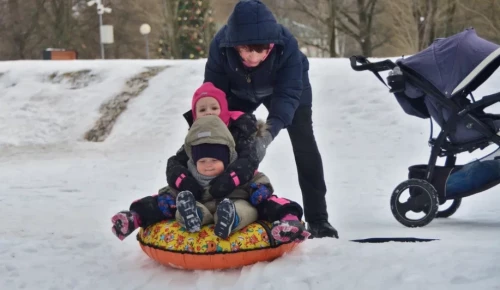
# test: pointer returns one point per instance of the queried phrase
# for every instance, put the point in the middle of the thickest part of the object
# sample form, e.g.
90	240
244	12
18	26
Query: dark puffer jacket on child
206	210
210	130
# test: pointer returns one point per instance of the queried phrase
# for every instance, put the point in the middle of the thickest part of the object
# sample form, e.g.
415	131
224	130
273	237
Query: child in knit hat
211	148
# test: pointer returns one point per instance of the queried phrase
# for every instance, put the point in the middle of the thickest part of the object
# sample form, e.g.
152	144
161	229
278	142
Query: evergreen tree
195	27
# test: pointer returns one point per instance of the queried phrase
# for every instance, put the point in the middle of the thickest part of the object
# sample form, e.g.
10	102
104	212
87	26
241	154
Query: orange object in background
59	54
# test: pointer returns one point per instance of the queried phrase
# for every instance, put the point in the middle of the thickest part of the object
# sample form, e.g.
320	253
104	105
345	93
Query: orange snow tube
170	244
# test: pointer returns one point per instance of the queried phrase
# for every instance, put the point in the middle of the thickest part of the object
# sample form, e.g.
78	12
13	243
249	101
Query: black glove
238	173
246	125
189	183
179	178
222	185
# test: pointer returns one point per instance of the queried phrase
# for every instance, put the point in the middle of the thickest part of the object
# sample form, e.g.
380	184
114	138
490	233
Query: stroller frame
423	194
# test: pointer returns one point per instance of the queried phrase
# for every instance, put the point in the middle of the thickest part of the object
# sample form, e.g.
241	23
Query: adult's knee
301	131
302	126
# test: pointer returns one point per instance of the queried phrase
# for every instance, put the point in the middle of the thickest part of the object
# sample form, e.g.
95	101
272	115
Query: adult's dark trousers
307	157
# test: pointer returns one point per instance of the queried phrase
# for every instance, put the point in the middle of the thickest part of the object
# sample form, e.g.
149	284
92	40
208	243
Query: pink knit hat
209	90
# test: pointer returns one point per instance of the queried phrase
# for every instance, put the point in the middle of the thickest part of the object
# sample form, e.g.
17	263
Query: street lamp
100	11
145	29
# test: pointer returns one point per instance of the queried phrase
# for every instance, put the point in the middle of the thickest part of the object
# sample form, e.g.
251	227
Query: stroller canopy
452	64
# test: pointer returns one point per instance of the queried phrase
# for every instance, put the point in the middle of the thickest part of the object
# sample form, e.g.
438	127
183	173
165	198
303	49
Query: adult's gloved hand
261	144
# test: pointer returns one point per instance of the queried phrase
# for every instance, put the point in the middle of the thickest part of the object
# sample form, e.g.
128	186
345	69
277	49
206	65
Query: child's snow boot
125	223
186	206
227	219
289	229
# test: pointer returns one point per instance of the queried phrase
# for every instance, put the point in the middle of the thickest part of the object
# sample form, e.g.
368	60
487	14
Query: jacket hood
210	129
251	22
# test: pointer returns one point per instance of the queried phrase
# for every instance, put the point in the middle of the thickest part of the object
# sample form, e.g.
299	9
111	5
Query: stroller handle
361	59
367	65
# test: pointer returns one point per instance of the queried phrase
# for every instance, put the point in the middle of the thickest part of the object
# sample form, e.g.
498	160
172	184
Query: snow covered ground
58	192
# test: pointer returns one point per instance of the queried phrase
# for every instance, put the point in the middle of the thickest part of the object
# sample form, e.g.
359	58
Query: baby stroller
436	83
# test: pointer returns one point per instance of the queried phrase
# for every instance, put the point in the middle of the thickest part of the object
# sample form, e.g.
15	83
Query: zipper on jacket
251	84
245	74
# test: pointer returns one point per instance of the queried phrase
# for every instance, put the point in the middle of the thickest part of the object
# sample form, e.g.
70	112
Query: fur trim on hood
262	127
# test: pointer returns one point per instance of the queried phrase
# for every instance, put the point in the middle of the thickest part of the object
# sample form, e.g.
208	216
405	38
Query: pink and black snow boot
125	223
289	229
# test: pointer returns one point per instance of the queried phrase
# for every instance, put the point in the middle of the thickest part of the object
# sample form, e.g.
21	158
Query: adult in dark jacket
257	61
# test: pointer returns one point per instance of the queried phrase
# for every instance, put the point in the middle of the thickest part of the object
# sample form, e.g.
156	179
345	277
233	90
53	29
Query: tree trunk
365	17
170	27
431	24
419	14
332	4
16	29
62	23
450	13
424	14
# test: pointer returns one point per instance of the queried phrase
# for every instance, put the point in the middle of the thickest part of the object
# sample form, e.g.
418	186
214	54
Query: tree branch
342	27
383	41
309	12
484	17
349	18
306	42
371	6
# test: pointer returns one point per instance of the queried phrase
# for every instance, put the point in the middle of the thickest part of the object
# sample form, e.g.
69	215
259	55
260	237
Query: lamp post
100	11
145	29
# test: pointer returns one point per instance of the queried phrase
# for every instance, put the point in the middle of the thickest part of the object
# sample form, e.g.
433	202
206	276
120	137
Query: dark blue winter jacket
283	75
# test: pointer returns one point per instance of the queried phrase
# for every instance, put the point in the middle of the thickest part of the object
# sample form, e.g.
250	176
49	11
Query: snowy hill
58	191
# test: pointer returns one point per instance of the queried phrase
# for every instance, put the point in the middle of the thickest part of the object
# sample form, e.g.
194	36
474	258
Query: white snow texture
59	192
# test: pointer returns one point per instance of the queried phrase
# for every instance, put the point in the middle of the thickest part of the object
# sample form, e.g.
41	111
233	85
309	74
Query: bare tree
424	14
486	12
60	21
451	8
22	19
170	28
494	12
415	24
358	21
322	31
313	27
332	19
354	18
324	27
405	39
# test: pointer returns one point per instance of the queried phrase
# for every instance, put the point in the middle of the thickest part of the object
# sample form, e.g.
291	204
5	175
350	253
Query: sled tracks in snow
111	110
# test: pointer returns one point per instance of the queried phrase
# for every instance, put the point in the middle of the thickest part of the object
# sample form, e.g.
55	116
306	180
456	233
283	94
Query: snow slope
57	192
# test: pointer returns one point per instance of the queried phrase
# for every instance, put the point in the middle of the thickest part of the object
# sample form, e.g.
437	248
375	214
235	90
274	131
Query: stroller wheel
423	199
450	210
